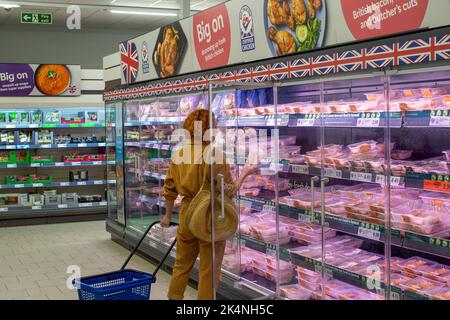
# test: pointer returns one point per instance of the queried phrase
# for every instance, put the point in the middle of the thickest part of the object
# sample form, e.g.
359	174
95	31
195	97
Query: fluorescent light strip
9	5
145	13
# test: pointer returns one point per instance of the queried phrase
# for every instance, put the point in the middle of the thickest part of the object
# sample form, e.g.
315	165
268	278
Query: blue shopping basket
124	284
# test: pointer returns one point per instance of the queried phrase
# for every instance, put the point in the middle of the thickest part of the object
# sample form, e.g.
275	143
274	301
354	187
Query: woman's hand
165	221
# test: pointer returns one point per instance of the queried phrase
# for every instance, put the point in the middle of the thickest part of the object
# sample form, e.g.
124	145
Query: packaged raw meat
411	265
375	96
288	151
435	199
283	184
338	107
334	288
399	280
437	272
432	92
254	192
358	294
287	140
441	293
314	286
362	147
346	241
313	158
308	275
295	292
296	159
422	285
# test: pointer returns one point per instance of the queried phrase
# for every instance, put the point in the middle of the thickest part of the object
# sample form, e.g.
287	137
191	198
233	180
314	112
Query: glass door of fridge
420	164
355	188
299	231
243	113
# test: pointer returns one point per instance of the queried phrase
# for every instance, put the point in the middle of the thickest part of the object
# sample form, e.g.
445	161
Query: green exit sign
36	18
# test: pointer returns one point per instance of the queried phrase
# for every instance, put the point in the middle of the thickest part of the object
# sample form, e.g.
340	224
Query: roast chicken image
284	40
167	53
311	9
298	11
279	13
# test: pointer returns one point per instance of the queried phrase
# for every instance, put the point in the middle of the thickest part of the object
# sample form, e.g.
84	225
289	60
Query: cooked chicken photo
168	52
298	11
279	13
284	40
311	9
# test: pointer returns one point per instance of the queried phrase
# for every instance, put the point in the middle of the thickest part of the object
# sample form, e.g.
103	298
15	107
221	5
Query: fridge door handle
313	181
222	196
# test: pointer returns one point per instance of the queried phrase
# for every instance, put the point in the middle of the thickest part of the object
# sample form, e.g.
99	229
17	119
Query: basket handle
140	242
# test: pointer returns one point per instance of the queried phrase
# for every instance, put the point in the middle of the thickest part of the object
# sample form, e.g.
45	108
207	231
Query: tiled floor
34	260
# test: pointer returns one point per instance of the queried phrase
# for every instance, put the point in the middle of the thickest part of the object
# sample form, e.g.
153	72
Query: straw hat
198	217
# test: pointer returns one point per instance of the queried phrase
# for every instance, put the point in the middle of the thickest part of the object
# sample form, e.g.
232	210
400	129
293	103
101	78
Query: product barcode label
11	166
369	233
299	169
395	181
333	173
62	206
88	204
368	122
305	122
361	176
36	208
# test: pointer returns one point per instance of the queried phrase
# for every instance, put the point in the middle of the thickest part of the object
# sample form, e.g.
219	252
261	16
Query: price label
153	244
271	252
361	176
59	164
10	126
102	144
81	183
318	268
3	209
10	147
98	182
305	122
395	295
305	218
82	145
436	185
103	203
369	233
173	254
38	185
46	146
395	181
439	121
268	208
64	184
62	206
11	166
96	163
87	204
33	125
368	122
299	169
19	186
33	165
333	173
62	145
36	208
76	163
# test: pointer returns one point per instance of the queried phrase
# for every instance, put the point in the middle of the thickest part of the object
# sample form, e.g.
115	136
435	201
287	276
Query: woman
186	179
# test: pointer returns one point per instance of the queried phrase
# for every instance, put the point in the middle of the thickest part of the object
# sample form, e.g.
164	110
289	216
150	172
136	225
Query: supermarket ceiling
96	14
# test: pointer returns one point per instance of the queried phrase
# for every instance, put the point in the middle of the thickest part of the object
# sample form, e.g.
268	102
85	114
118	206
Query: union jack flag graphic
244	75
414	51
129	57
380	56
278	71
443	47
352	60
300	68
260	73
227	76
324	64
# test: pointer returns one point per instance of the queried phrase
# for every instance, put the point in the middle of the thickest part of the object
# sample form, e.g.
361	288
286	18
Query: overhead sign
18	80
36	18
242	31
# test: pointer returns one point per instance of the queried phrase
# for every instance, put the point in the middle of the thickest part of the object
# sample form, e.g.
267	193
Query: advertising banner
242	31
18	80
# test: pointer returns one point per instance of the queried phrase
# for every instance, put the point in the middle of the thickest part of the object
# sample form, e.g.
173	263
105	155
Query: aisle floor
34	260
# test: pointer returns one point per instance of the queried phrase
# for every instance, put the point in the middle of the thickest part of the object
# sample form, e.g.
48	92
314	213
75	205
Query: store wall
86	47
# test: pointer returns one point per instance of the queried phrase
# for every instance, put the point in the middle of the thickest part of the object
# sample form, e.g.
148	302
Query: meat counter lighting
163	14
8	5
